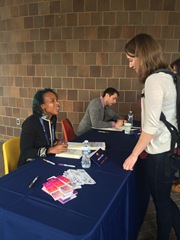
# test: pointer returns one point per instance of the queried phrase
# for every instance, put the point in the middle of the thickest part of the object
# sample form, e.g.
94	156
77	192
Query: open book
93	145
75	149
71	153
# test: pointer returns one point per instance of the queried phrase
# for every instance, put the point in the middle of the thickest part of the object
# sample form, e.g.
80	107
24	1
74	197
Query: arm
143	141
110	114
33	142
153	97
31	138
116	120
96	114
58	148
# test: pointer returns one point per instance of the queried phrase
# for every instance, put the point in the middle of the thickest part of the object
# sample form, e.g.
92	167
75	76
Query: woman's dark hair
149	54
110	91
38	100
176	64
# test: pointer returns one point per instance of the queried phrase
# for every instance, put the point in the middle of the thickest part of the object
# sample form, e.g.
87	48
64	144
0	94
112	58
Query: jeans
167	212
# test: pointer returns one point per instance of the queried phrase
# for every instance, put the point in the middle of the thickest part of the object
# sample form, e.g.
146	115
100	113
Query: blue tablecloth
112	209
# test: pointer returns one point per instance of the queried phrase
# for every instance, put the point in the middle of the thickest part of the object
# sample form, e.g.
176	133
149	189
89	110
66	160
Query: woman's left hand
129	162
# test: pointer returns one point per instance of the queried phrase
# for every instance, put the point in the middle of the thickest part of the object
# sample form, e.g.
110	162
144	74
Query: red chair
67	130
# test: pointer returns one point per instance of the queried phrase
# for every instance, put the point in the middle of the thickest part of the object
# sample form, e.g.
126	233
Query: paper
62	188
71	153
59	189
78	177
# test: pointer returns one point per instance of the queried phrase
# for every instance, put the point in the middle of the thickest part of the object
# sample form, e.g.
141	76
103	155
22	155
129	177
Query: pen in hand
32	183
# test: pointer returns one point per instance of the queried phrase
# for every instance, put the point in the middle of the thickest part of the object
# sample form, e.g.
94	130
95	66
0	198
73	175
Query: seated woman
38	135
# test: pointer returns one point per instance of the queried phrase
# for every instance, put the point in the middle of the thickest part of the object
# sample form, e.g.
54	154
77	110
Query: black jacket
35	140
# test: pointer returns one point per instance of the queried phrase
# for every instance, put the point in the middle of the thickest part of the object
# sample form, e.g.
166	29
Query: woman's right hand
58	148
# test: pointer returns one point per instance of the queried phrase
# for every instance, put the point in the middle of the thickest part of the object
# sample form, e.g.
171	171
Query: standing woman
145	56
38	138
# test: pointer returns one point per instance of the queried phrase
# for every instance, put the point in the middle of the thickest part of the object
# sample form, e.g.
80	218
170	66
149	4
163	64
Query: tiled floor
148	229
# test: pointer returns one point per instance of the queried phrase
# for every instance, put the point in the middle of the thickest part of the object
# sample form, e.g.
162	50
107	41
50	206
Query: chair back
67	130
11	153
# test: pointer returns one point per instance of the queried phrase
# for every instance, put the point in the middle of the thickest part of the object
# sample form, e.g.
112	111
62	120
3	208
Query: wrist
134	155
48	151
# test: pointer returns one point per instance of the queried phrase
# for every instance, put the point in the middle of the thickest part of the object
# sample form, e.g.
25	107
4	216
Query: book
71	153
93	145
99	157
116	129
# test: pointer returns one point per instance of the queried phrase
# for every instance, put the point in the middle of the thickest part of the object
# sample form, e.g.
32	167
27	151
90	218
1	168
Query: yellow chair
11	153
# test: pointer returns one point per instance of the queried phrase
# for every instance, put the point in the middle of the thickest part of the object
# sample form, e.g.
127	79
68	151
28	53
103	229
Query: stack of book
63	187
59	188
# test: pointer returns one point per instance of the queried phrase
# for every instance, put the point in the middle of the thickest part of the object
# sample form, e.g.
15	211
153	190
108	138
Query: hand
58	148
120	122
129	162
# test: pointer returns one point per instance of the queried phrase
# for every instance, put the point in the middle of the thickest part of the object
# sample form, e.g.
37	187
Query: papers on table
78	177
63	187
59	188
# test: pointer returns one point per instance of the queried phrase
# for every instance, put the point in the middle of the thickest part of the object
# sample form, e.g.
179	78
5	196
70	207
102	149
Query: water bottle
86	150
130	117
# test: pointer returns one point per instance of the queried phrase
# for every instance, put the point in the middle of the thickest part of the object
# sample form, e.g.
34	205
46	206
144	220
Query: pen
49	161
102	132
65	165
62	141
32	183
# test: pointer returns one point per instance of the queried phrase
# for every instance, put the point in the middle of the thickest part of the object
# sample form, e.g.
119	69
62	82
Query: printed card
99	157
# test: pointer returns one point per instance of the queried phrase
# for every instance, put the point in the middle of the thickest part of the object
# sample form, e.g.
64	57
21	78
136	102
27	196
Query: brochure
62	188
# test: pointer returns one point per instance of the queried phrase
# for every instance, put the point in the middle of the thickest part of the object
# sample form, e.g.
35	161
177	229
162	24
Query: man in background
99	113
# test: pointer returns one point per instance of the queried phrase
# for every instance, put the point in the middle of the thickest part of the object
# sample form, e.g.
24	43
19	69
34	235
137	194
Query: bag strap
173	130
175	138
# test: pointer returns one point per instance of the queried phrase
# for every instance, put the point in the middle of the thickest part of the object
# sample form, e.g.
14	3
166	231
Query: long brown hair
149	54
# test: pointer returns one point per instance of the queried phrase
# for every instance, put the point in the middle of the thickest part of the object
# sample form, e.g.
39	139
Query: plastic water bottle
86	150
130	117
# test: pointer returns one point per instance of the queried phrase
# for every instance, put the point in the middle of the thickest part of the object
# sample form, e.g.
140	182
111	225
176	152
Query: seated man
99	114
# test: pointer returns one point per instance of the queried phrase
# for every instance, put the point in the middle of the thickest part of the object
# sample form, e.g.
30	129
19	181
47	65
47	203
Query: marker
65	165
62	142
32	183
49	161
